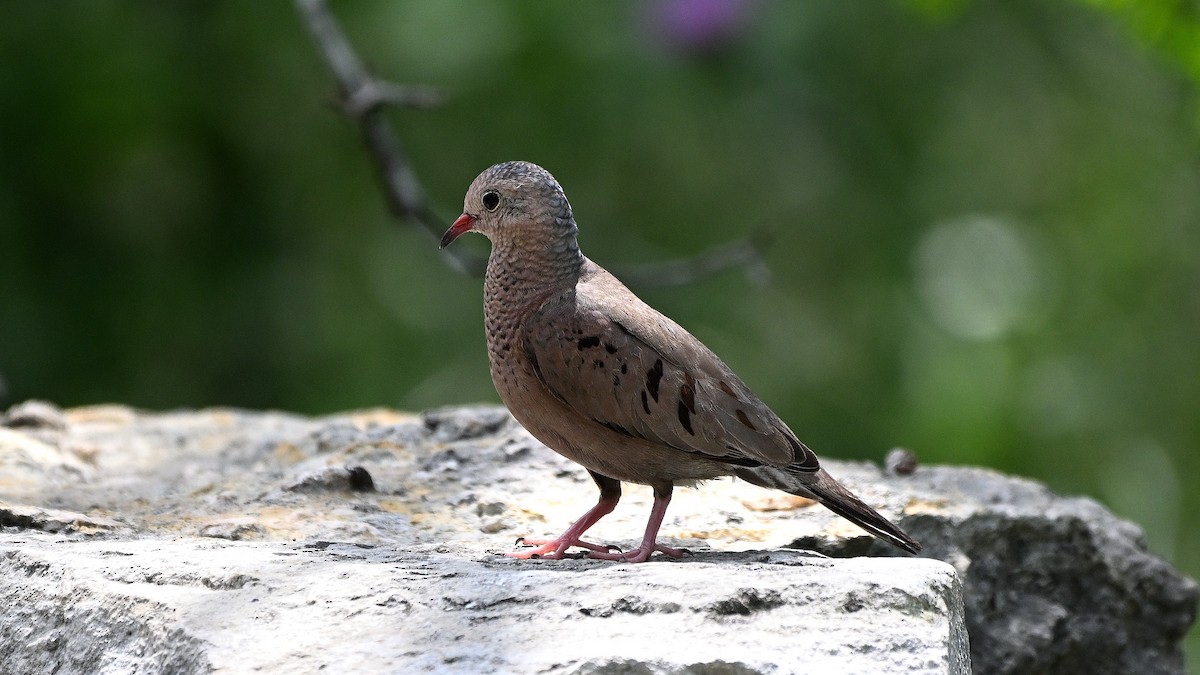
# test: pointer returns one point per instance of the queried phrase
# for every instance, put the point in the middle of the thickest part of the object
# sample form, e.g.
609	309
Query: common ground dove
605	380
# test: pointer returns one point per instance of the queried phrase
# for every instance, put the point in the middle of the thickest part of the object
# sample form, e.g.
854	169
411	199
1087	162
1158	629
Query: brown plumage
605	380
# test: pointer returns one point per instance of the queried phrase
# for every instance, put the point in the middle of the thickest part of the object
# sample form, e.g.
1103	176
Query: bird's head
514	200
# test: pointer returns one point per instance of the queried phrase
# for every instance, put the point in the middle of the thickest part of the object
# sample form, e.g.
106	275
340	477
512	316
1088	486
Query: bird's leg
662	497
610	494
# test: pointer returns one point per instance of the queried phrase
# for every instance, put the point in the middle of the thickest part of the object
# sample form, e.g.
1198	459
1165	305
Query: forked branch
363	98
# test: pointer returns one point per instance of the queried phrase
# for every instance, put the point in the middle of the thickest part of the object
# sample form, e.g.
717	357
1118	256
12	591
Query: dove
605	380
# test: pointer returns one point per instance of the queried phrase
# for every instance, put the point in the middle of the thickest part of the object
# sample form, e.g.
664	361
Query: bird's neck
518	274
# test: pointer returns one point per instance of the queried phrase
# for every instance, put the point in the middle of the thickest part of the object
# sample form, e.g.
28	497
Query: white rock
206	506
190	605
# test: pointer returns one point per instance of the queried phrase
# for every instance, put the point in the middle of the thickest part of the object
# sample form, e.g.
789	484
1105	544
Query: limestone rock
191	540
1052	584
190	606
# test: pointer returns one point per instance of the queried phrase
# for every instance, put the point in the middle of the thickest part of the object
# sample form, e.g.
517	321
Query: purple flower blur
698	25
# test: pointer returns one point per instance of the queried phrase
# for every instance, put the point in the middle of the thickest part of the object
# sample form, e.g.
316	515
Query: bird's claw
554	549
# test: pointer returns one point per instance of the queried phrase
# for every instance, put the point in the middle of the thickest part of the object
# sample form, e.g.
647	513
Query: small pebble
360	480
490	508
900	462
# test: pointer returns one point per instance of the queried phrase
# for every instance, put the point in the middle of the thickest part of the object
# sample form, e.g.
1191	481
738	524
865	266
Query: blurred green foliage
984	216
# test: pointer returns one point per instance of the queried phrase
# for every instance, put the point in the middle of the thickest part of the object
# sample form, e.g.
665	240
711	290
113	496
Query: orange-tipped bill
463	224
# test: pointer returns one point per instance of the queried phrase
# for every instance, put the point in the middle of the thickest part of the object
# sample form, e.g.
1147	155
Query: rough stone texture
182	542
186	606
1052	584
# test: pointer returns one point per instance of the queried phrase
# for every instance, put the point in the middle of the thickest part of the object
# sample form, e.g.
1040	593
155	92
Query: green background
982	216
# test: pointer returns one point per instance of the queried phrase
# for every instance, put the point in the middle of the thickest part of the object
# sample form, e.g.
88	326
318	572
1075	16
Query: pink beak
462	224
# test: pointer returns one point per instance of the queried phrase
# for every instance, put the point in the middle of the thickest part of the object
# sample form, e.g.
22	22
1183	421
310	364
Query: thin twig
742	253
362	98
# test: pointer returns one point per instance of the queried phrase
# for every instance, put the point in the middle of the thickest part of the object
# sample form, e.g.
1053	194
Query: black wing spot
687	393
598	363
653	377
610	348
741	415
645	403
624	368
588	342
728	390
685	419
616	380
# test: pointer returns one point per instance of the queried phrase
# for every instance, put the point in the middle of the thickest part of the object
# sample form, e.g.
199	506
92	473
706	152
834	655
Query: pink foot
555	549
637	555
610	492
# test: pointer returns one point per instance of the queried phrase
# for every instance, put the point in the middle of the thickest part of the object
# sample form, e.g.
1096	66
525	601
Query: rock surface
365	542
189	606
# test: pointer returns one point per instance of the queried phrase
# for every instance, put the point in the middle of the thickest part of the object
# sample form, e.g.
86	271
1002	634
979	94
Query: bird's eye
491	200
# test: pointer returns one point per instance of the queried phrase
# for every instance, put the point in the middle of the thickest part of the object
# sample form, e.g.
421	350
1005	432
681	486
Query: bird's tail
844	503
822	487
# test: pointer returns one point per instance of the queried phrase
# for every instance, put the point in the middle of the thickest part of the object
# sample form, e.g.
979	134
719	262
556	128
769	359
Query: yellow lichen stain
222	417
111	414
724	534
780	502
915	505
431	520
287	452
380	416
287	516
395	506
399	452
421	513
285	522
280	523
526	515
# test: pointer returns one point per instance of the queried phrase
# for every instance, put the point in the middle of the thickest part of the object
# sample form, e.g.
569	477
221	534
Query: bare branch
362	98
376	93
738	253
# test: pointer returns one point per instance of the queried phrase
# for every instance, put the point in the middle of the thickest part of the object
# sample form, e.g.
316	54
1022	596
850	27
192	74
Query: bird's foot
556	549
639	554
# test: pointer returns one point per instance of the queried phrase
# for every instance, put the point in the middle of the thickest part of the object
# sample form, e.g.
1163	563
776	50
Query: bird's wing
618	362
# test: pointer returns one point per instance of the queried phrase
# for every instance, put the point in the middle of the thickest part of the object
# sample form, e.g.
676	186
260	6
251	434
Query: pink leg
610	494
662	497
555	548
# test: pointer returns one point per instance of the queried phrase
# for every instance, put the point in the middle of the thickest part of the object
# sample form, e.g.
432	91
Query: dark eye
491	200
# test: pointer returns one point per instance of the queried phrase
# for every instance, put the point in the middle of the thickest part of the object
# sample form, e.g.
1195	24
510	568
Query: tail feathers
822	487
843	502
